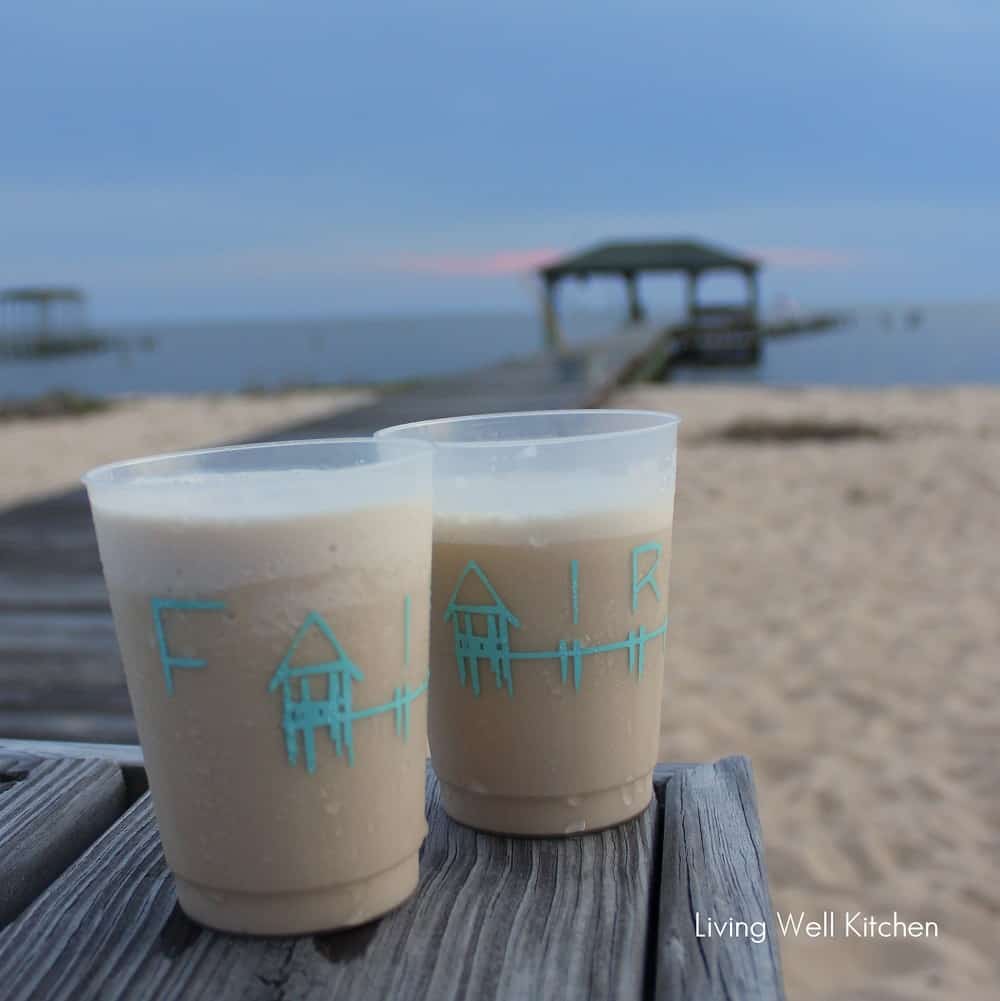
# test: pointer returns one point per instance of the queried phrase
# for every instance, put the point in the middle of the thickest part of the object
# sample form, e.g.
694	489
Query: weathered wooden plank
493	918
61	675
51	810
713	867
128	757
123	755
62	661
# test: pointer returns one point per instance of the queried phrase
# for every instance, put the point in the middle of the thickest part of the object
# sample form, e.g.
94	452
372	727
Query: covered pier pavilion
629	259
39	311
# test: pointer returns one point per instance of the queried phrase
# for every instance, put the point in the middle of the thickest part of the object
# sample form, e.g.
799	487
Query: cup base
299	912
544	816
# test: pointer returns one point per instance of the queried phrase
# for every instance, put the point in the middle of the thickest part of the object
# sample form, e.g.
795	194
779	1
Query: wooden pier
59	665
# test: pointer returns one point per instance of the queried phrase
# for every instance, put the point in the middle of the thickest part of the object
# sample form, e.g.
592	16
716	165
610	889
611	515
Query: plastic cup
271	606
552	536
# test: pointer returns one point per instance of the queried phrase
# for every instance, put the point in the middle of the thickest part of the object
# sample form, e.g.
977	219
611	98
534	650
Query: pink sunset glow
497	263
512	262
808	258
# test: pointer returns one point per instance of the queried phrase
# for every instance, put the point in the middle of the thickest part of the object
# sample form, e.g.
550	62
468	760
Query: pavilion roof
648	255
51	293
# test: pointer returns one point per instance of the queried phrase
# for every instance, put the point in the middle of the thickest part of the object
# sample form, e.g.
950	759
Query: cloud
497	263
809	258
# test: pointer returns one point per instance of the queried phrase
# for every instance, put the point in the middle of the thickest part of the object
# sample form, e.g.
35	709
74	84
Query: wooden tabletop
88	910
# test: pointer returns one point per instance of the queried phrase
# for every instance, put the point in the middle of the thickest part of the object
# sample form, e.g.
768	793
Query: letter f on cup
167	659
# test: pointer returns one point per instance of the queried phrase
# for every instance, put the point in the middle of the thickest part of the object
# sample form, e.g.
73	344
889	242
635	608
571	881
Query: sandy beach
44	455
835	616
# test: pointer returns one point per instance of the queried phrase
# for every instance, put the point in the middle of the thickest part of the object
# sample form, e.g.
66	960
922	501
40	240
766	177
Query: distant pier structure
39	312
630	259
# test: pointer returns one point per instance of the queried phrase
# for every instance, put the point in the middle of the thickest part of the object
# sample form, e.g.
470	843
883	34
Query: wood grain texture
51	810
713	866
123	755
128	757
493	918
53	606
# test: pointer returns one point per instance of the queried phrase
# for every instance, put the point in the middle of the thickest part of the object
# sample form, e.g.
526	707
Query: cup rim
660	419
106	471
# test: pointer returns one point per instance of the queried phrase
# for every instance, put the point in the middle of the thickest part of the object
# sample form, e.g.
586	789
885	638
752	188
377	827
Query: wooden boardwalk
60	674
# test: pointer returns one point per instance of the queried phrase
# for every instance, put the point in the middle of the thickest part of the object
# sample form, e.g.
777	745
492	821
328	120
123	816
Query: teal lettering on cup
481	631
167	659
574	588
471	646
648	578
303	714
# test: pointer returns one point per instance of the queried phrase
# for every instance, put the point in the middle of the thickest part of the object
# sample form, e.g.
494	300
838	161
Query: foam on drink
549	613
219	583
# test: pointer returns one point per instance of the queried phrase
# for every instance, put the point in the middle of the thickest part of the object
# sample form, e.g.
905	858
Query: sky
229	158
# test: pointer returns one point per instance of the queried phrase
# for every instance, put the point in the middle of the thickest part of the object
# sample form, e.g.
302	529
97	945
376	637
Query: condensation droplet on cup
332	809
530	452
576	827
573	801
479	788
627	795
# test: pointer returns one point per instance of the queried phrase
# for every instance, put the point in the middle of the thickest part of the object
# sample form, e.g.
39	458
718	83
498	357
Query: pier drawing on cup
482	631
306	709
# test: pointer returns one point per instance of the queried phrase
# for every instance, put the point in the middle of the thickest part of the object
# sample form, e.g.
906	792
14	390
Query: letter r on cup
648	578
